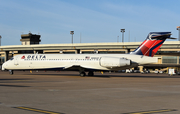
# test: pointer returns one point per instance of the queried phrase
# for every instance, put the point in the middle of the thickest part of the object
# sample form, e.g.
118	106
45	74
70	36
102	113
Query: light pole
178	28
0	40
122	30
72	32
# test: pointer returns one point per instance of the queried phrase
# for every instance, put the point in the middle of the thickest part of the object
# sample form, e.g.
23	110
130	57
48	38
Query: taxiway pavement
109	93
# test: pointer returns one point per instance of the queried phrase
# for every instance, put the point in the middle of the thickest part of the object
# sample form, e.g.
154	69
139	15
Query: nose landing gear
90	73
11	72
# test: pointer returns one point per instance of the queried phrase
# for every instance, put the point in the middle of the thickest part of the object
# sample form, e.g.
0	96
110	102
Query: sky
93	21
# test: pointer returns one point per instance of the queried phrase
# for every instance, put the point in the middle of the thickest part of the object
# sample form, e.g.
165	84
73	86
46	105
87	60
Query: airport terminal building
168	55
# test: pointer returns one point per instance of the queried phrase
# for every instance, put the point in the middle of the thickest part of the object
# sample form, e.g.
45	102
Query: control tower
30	39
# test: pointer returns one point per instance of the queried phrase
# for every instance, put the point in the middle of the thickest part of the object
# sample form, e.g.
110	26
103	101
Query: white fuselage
65	61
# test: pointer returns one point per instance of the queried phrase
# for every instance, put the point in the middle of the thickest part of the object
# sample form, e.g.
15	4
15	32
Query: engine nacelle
114	62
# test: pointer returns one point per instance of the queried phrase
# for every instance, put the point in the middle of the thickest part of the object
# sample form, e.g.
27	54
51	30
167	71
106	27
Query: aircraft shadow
3	82
108	75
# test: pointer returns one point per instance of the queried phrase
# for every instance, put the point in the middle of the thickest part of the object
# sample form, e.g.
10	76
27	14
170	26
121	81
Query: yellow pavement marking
38	110
153	111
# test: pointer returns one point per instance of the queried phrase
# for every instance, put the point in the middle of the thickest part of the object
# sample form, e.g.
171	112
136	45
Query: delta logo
34	57
23	57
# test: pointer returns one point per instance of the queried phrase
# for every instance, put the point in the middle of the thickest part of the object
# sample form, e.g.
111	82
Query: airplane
90	62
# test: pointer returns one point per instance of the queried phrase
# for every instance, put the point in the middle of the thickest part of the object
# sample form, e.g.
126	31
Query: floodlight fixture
122	30
72	32
178	28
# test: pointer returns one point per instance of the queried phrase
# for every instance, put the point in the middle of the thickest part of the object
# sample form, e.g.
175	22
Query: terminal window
169	59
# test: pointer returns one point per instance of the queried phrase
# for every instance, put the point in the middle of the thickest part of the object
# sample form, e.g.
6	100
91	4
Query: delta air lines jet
90	62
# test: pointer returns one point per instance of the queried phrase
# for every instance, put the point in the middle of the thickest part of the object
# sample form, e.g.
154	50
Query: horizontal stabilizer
172	38
159	36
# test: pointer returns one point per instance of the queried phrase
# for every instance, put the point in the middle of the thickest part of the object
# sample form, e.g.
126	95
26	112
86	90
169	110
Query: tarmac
66	92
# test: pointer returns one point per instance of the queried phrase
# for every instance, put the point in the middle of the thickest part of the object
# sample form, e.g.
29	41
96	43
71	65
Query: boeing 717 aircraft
90	62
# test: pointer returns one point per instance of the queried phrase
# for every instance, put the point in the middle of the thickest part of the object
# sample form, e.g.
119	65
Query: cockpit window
12	58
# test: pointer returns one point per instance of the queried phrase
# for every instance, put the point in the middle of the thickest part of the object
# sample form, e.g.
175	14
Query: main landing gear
83	74
90	73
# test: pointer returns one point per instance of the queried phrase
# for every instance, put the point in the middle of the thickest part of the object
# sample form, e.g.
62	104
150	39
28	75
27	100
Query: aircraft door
16	62
31	65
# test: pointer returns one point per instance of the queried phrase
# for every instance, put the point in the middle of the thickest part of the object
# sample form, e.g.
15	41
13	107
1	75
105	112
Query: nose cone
4	66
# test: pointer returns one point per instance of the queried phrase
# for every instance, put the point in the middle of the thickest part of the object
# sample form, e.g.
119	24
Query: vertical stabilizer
152	43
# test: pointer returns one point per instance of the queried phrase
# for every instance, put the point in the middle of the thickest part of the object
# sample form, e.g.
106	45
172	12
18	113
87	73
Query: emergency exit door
16	62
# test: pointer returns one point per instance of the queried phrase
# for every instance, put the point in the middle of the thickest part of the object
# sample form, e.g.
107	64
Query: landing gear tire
82	74
11	72
91	73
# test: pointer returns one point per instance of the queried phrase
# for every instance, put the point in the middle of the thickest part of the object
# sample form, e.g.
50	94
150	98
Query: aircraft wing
68	66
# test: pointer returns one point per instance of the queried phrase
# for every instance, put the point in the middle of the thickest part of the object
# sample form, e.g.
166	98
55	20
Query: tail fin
152	43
